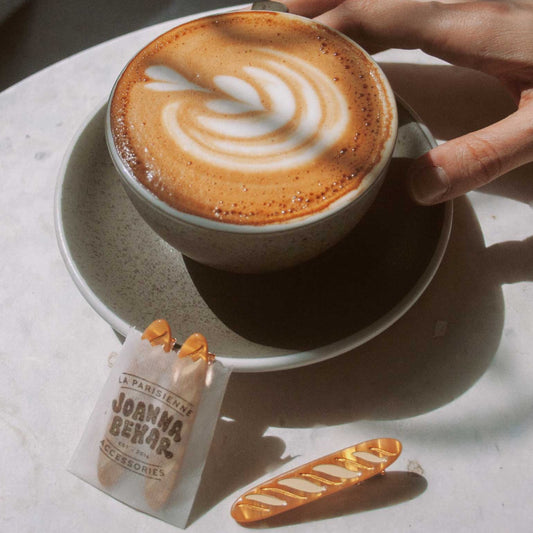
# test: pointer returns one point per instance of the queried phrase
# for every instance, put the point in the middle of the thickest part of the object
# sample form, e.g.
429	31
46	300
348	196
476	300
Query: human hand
495	37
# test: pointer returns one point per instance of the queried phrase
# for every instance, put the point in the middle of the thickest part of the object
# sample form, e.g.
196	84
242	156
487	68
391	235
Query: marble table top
451	379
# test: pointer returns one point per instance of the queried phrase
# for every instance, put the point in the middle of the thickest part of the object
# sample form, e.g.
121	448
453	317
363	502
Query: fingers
473	160
310	8
490	36
462	33
375	24
369	22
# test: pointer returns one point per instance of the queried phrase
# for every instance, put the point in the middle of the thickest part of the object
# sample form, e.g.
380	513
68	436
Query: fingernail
429	184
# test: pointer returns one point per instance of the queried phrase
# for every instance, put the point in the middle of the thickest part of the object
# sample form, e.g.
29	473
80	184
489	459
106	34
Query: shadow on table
432	355
344	291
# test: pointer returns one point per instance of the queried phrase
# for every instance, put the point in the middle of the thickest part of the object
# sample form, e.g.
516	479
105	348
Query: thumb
468	162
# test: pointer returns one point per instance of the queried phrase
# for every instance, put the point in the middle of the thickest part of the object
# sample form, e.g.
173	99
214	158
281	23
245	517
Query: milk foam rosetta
238	132
250	118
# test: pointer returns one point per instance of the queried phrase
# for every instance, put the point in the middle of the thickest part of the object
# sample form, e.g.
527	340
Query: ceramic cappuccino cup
252	141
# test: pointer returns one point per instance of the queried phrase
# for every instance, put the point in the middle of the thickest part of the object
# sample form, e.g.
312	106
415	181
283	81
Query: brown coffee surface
250	118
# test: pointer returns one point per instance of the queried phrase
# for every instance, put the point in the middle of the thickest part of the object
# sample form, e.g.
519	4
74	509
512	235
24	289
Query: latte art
281	113
251	118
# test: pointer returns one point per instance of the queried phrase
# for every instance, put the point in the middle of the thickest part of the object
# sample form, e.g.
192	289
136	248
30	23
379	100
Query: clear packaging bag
149	434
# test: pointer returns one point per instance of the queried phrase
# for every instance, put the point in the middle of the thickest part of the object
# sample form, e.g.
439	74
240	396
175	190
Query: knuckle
481	160
485	23
501	9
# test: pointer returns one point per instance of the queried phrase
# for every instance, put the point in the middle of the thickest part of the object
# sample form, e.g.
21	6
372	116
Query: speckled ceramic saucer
252	322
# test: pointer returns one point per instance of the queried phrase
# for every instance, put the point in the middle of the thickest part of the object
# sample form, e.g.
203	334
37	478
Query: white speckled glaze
259	248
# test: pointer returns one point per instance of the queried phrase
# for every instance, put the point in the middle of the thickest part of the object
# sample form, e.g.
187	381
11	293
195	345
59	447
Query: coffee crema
251	117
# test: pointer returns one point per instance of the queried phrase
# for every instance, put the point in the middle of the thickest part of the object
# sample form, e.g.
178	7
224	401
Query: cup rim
335	207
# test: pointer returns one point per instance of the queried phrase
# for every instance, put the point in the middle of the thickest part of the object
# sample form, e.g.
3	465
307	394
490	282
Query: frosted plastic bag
148	437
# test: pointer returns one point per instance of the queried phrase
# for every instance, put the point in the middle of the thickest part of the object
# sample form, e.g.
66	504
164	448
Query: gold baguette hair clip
316	479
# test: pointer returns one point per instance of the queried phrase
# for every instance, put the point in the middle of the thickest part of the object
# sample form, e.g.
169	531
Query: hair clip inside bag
316	479
158	334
